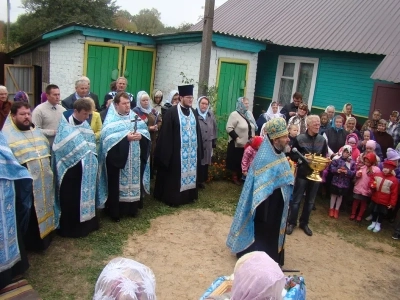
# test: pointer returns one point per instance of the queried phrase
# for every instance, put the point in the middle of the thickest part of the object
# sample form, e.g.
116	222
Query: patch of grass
70	267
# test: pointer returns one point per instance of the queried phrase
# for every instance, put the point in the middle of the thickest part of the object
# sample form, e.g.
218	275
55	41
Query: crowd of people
363	171
65	160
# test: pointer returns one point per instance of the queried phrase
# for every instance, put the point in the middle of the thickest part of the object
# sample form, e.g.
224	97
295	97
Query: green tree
124	20
44	15
148	21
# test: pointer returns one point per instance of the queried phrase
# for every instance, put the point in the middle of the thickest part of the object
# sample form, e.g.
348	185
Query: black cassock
116	160
70	203
267	223
167	158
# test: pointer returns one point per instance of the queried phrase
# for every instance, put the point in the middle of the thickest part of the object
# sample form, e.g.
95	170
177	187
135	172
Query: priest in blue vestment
31	149
260	219
13	259
178	152
124	168
75	168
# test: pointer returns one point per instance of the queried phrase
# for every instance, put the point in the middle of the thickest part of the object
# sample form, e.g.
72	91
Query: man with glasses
290	109
178	152
384	139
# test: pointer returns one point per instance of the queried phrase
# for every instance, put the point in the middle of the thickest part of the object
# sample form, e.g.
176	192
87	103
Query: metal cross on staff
135	120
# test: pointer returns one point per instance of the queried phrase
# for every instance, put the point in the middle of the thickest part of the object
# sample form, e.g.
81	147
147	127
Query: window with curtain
295	74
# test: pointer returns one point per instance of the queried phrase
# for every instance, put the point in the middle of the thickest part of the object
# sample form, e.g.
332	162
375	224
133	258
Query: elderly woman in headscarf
157	100
151	117
347	112
173	99
124	278
350	126
208	127
272	112
241	127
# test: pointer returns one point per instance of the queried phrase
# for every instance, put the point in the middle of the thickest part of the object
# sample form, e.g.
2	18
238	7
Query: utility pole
206	47
8	25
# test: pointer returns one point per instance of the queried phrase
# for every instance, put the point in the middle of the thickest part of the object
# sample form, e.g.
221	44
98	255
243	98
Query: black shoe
306	230
396	236
314	208
201	186
116	220
289	229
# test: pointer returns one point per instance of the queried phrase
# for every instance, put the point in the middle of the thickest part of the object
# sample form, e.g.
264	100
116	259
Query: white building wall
176	58
67	60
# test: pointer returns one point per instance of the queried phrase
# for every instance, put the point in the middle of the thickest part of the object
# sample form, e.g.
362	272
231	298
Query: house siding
185	57
342	77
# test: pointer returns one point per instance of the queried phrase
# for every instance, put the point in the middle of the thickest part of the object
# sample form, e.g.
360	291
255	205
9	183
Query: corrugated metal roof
363	26
388	69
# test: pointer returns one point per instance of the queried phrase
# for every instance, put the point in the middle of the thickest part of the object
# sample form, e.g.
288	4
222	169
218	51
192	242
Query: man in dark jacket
290	109
82	87
307	143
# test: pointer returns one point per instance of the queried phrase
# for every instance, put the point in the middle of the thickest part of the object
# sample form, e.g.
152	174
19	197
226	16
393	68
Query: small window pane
285	91
288	69
306	71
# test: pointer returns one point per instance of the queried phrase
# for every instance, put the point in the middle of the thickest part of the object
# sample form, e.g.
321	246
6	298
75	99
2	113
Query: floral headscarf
21	96
203	115
124	278
160	94
139	105
240	108
257	276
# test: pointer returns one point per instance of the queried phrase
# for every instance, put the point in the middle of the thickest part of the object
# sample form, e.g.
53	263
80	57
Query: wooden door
385	98
139	65
101	60
20	78
231	84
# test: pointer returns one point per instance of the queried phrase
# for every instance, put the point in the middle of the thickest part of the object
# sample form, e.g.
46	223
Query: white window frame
296	60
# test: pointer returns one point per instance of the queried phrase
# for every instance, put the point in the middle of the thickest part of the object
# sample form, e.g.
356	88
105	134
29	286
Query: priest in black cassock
75	169
178	152
124	168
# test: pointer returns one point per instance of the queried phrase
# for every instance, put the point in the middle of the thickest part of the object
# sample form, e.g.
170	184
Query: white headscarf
257	276
269	115
125	279
139	105
204	115
171	95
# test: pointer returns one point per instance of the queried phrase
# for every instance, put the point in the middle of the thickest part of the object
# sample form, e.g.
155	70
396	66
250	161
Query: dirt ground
187	251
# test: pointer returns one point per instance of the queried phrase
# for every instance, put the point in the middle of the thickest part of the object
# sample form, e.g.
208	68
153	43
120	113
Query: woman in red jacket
384	187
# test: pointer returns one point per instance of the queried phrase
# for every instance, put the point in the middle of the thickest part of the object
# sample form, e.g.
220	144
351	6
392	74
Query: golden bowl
318	163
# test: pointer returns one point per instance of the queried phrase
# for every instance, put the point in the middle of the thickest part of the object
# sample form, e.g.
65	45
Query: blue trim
236	43
179	38
101	33
220	40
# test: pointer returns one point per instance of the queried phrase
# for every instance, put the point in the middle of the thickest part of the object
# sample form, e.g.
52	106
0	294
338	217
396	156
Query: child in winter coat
343	169
362	190
384	187
250	152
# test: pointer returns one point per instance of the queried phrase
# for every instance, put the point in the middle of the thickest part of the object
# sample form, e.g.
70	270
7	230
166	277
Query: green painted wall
342	77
